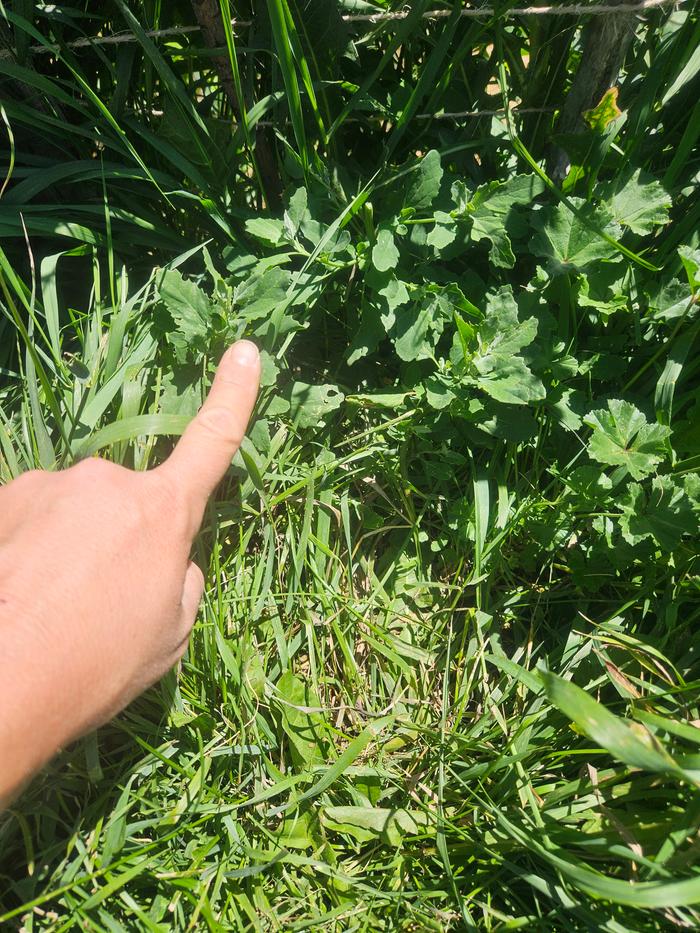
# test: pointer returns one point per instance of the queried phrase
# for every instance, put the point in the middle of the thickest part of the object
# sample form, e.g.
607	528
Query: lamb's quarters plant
445	675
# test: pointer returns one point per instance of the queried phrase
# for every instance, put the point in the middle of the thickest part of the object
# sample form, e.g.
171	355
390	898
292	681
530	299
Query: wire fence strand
385	16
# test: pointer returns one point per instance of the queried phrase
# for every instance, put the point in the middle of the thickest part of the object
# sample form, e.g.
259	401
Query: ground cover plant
445	675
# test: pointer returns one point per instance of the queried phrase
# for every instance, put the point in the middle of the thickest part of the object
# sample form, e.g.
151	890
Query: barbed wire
514	110
387	16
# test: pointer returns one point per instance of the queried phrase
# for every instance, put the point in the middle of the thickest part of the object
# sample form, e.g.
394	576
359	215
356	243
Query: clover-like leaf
622	436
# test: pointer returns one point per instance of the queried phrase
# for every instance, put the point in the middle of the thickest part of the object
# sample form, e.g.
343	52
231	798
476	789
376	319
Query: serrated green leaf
623	437
570	240
496	366
508	380
638	204
261	293
664	514
187	305
489	208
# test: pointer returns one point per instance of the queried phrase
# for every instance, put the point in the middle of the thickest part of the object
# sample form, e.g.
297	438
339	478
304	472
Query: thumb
211	439
192	592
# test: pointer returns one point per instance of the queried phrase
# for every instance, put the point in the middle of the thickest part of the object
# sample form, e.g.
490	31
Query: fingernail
244	353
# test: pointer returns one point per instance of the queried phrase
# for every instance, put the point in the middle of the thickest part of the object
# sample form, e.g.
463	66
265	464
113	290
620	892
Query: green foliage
622	436
445	673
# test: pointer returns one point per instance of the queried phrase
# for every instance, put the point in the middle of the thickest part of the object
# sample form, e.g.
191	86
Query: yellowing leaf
603	114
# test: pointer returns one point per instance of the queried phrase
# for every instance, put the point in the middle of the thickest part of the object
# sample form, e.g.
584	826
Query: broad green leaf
368	823
639	204
413	329
296	213
303	724
691	484
670	300
634	746
444	231
571	240
508	380
261	293
437	393
622	436
497	368
300	830
268	230
502	420
501	332
424	182
310	404
664	514
487	226
500	196
588	484
488	210
385	255
369	333
604	288
395	293
419	326
187	304
691	263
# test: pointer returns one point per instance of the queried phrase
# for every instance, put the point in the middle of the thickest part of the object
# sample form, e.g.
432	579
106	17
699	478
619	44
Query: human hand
97	592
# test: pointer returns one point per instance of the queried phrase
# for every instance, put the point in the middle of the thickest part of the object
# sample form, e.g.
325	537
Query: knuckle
91	469
27	481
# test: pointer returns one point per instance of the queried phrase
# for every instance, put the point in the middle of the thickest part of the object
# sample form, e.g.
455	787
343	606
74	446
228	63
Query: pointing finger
211	439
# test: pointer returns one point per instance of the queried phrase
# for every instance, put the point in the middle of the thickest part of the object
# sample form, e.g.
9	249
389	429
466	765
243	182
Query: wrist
32	723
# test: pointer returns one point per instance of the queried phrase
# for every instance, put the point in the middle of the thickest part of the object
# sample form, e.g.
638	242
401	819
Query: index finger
211	439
